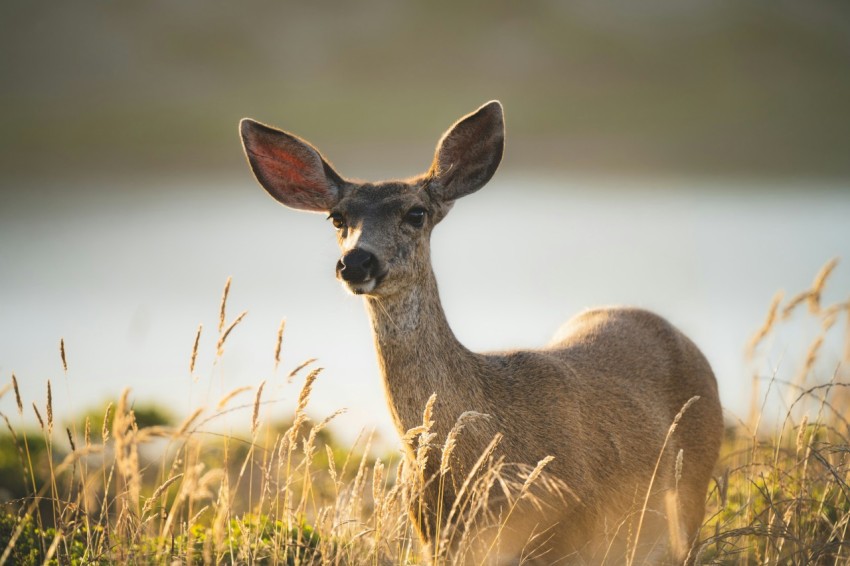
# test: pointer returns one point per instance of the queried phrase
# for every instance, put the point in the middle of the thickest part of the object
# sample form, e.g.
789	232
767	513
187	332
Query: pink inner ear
291	172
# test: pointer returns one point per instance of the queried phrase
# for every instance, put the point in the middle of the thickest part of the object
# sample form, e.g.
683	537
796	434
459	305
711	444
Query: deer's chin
363	288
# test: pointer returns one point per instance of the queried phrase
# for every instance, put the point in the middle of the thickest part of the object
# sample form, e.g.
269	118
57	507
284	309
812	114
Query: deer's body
600	398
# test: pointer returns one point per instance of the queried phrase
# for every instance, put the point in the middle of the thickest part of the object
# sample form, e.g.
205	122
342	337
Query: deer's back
635	353
623	370
602	395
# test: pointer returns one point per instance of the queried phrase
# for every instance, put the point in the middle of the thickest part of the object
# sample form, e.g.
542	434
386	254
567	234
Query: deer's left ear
469	153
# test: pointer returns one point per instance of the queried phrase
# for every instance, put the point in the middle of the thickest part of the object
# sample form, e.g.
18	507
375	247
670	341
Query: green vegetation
29	548
287	493
782	496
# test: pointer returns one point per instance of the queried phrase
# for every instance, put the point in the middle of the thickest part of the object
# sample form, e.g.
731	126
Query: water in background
125	277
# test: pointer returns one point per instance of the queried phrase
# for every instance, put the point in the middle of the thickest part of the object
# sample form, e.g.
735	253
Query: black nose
356	266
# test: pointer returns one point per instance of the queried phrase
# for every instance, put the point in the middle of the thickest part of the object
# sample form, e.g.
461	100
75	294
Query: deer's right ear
289	168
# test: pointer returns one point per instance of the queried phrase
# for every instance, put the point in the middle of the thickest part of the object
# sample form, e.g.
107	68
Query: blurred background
688	156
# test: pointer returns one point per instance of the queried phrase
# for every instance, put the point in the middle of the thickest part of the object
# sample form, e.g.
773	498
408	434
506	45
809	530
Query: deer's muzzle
358	269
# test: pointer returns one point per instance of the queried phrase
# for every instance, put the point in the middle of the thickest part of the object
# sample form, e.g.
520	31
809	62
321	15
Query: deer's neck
419	355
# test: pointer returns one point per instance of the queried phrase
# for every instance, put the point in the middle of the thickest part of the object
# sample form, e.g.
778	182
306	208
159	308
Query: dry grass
288	495
782	494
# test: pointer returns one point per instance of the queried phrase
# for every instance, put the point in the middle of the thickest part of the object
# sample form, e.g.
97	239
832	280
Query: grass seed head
451	439
801	434
159	491
255	417
448	449
331	463
767	326
38	416
17	395
303	399
377	483
818	284
184	426
298	368
104	433
195	349
231	395
279	342
49	408
220	346
795	301
428	413
62	354
222	309
538	469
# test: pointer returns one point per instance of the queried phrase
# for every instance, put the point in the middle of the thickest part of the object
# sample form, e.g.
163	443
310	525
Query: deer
623	407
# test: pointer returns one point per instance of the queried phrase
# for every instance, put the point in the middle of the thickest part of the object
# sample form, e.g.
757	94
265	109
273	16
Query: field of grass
122	487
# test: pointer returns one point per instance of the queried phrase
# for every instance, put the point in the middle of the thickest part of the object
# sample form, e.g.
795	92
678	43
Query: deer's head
382	228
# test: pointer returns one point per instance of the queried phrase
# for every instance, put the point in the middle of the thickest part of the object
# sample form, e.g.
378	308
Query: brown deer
601	398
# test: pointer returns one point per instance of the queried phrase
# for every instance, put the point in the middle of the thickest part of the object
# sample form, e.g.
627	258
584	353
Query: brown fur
600	397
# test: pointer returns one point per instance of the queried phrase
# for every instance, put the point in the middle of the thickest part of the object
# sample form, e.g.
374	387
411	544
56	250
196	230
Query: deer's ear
289	168
469	152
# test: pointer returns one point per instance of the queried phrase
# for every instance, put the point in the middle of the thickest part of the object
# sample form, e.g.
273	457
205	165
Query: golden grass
222	308
62	355
194	357
220	346
286	494
782	494
649	491
279	342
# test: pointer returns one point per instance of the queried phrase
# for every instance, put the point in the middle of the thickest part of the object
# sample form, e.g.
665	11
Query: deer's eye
415	217
337	220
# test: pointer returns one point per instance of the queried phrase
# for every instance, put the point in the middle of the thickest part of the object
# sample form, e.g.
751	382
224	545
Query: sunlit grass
781	494
119	488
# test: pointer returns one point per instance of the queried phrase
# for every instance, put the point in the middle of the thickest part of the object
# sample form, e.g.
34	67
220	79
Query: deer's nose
356	266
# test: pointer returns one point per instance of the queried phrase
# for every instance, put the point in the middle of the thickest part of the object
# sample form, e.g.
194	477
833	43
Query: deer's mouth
363	288
366	286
